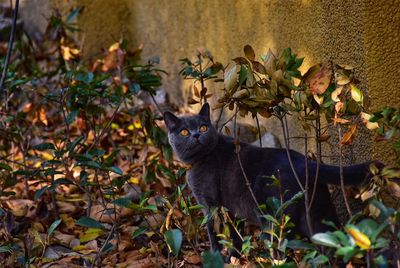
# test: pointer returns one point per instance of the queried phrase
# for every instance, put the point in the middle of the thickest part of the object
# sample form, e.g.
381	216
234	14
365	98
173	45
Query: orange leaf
348	137
42	116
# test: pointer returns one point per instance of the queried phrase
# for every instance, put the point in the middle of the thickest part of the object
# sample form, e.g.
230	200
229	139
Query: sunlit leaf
360	238
348	137
325	239
42	116
366	120
318	77
270	62
356	93
336	93
231	76
319	99
342	77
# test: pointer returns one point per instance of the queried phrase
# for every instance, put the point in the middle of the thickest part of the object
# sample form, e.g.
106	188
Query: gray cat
216	178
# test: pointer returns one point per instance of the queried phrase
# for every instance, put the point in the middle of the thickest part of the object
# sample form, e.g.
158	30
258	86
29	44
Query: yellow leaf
137	123
360	238
336	93
370	125
319	99
342	78
46	156
113	47
42	116
134	180
356	93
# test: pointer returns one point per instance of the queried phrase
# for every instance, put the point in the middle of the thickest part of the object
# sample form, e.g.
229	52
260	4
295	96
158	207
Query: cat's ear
170	120
205	111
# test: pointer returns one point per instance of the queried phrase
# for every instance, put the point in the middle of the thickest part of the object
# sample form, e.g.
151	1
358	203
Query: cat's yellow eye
184	132
203	128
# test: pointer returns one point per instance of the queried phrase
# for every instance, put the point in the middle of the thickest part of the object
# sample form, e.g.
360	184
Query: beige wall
364	34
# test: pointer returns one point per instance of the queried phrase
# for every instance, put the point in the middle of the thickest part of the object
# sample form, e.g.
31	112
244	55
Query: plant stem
341	172
285	137
259	131
9	48
237	151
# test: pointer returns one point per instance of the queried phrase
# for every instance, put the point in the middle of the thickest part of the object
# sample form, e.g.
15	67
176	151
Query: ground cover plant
88	178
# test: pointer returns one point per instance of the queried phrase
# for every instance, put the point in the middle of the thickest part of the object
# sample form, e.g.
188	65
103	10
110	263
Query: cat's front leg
212	236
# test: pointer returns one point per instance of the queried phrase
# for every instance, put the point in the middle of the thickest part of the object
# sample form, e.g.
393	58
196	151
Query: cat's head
191	137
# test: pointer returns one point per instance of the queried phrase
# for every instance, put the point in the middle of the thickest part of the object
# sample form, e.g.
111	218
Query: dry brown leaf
348	137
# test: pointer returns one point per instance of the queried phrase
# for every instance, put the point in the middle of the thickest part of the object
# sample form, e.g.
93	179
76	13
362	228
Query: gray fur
216	178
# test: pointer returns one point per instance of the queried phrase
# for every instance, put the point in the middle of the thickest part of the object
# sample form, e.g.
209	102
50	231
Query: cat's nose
196	135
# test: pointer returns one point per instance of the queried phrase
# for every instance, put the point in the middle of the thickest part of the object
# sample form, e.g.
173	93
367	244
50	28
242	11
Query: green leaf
173	238
53	226
381	261
325	239
89	223
321	259
299	244
40	192
74	13
5	249
44	146
243	73
116	170
212	259
139	231
5	167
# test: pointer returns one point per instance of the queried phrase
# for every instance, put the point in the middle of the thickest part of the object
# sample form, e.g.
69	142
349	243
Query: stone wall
364	34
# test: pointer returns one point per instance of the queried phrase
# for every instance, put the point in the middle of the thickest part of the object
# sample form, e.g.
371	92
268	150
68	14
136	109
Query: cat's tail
352	175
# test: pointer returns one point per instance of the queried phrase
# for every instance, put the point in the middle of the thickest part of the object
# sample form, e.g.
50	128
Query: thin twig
306	197
288	155
156	103
9	48
219	117
259	131
319	152
346	202
237	151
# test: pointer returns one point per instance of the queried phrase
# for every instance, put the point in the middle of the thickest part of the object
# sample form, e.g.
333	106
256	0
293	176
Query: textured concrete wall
364	34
